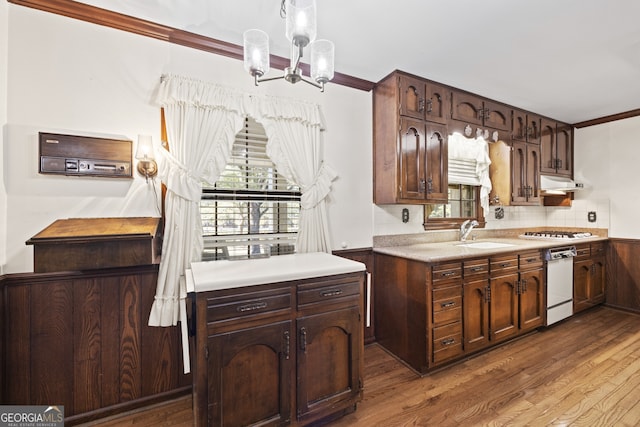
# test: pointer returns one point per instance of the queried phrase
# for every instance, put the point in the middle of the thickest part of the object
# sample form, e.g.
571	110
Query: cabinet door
467	108
503	306
438	103
496	116
519	173
519	126
413	184
329	362
597	281
532	308
547	147
533	129
249	375
476	315
412	97
437	171
581	278
533	175
564	150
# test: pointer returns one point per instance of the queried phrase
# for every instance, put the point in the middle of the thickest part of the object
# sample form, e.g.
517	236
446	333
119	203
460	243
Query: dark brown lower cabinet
431	314
589	276
285	353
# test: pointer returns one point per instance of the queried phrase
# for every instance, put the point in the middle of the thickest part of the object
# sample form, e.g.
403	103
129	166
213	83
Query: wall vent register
73	155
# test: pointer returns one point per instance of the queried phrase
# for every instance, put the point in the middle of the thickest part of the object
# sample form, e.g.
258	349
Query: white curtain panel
294	130
202	120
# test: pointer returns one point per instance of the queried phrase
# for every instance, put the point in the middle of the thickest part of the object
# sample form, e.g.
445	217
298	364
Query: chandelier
300	16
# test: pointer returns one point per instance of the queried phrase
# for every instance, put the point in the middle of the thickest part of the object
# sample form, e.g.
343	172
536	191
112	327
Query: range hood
558	185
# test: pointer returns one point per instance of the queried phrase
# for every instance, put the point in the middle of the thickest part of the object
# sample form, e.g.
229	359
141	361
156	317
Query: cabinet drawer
447	342
504	264
583	251
447	305
531	260
221	308
445	331
448	315
446	272
476	268
598	248
321	292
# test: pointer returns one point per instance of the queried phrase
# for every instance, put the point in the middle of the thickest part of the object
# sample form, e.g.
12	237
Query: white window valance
469	164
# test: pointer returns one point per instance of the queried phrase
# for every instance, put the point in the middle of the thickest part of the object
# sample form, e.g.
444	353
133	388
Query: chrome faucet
466	228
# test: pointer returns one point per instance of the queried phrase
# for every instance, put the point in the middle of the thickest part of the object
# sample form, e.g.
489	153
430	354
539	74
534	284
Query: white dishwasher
559	283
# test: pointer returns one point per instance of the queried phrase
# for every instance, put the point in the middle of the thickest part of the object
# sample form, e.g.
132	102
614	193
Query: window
251	211
463	203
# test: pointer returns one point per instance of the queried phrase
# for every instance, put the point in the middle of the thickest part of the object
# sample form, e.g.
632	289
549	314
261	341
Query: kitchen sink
485	245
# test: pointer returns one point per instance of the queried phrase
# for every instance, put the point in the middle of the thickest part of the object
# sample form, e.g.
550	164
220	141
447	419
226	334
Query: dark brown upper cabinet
477	111
556	148
410	141
423	100
525	127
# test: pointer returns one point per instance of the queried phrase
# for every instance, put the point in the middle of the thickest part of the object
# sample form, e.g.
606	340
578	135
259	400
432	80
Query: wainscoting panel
623	282
81	340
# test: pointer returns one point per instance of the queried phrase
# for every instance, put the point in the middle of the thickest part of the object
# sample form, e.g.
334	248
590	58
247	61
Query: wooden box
93	243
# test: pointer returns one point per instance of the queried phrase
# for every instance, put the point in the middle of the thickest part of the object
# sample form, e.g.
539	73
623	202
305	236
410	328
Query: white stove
556	235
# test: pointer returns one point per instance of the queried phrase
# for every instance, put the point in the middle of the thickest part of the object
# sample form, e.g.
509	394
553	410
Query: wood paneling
81	340
623	270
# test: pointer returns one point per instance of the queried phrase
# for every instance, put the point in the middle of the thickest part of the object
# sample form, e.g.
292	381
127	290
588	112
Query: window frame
220	246
453	223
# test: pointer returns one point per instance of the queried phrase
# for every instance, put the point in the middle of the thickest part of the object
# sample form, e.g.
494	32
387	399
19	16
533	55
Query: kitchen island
278	340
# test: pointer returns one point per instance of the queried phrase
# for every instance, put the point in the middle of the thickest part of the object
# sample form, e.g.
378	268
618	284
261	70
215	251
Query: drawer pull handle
448	274
532	259
448	341
505	264
331	293
252	307
476	269
448	304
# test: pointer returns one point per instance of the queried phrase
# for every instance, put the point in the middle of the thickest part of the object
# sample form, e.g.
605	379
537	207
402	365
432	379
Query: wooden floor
582	372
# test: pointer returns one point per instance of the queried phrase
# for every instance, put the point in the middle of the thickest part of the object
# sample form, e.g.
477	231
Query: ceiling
572	60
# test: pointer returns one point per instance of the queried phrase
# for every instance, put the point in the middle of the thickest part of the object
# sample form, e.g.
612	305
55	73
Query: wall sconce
147	165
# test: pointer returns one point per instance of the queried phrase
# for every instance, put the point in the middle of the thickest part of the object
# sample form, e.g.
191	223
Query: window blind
251	210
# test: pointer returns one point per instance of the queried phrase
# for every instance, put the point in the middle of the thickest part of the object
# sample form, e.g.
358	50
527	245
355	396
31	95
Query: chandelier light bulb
256	52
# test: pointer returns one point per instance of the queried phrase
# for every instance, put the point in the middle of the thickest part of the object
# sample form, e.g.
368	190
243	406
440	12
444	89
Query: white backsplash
387	219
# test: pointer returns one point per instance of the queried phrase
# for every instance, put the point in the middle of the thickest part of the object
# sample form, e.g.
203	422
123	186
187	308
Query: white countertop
224	274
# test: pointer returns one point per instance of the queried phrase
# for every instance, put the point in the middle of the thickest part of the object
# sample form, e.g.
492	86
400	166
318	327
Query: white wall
4	36
607	159
69	76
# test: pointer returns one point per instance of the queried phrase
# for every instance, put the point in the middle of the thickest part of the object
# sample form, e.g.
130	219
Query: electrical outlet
405	215
591	216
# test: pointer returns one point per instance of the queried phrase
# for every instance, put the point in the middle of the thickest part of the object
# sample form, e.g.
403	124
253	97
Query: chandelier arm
266	79
318	85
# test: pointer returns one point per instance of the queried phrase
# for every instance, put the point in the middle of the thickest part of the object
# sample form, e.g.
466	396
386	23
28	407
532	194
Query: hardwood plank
583	371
